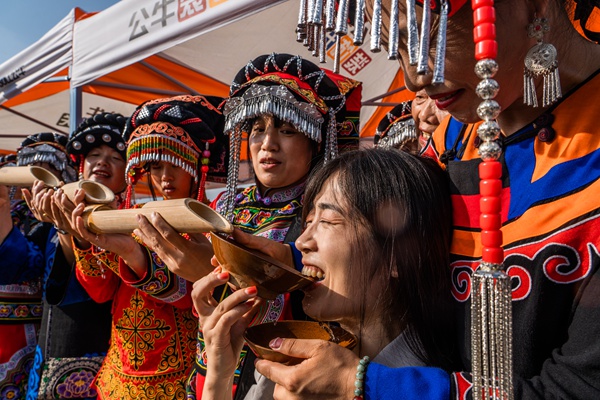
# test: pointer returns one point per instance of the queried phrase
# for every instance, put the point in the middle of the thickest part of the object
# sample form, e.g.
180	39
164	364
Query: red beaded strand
491	301
490	171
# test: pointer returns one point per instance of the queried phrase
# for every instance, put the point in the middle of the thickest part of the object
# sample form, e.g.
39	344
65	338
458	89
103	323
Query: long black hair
402	202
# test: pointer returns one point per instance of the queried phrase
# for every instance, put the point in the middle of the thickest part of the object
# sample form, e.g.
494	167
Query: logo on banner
353	59
165	12
13	76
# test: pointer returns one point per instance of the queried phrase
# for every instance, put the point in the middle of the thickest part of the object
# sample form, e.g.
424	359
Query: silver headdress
47	148
289	88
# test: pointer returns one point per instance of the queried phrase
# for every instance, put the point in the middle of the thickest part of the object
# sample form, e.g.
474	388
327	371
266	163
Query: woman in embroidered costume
294	114
27	251
75	329
538	157
353	242
153	329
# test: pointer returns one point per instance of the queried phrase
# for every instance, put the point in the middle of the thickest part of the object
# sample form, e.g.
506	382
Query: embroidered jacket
22	261
153	337
269	217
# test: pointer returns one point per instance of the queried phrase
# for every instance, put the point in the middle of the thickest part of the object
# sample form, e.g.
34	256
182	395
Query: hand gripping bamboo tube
25	176
184	215
95	192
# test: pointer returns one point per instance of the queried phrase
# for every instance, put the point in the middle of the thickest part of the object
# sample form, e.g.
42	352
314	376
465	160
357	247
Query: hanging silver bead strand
491	297
302	14
423	63
341	29
341	24
322	39
359	23
317	12
317	21
330	15
376	27
336	59
310	30
440	51
394	31
412	32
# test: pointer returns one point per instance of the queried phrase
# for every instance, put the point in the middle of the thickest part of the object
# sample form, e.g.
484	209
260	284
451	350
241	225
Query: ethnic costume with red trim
27	257
20	299
153	338
75	329
153	329
269	217
555	273
321	105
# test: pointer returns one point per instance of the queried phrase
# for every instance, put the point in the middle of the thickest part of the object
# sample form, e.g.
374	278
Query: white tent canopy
214	42
213	47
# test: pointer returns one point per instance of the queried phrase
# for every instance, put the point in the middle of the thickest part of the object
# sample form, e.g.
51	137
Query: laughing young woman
365	226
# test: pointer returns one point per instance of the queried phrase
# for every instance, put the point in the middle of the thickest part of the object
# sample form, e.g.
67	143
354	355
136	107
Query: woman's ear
394	271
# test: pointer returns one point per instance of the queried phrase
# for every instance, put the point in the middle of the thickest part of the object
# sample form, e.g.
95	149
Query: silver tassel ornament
359	23
394	31
491	319
440	51
376	27
491	292
412	32
541	60
423	62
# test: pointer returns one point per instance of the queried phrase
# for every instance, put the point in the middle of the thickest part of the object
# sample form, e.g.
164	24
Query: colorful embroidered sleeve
95	272
21	260
159	282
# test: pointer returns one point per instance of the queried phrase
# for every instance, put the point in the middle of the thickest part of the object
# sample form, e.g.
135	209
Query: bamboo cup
25	176
184	215
95	192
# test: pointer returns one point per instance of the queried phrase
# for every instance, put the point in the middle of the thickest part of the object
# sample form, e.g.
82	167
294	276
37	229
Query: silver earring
541	60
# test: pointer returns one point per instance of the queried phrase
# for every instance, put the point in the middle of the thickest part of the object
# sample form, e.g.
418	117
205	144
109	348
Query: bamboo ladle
25	176
184	215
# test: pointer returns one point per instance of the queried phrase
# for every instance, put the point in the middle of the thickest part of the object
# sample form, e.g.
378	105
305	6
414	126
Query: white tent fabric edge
150	31
50	54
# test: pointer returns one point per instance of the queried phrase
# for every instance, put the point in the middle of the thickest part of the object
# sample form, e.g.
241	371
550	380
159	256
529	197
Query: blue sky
23	22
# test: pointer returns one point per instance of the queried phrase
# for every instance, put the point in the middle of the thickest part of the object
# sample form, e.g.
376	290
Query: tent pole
75	108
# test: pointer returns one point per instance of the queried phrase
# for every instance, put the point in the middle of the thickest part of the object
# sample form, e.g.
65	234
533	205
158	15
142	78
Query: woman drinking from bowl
367	231
294	114
548	146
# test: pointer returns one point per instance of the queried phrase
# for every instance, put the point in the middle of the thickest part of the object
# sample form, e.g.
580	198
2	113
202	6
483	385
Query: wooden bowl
249	267
259	336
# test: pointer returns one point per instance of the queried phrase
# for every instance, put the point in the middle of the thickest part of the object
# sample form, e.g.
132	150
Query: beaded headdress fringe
160	148
399	133
277	101
46	153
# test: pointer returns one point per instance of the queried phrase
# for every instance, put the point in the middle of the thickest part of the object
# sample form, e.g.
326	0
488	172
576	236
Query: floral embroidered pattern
20	311
93	263
139	330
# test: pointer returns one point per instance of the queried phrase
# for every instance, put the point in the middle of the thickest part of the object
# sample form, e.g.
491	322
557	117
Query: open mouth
313	272
102	174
